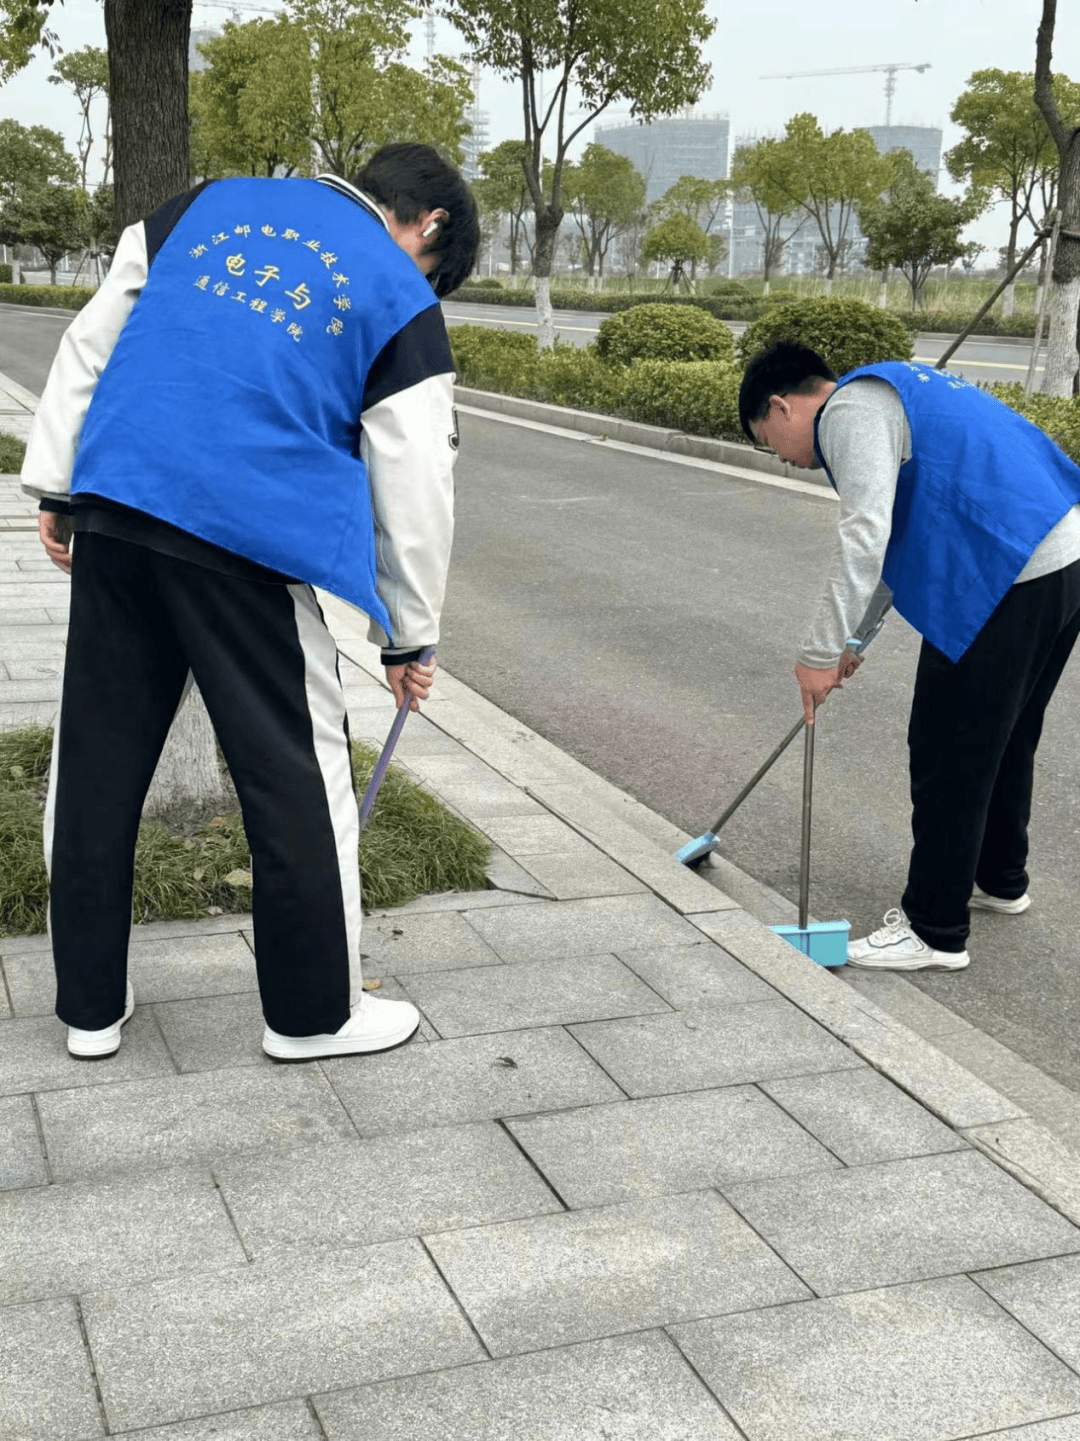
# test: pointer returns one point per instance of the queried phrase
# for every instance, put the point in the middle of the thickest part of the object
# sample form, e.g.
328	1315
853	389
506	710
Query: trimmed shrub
575	377
845	333
63	297
952	322
500	360
663	332
1058	415
486	282
5	274
701	397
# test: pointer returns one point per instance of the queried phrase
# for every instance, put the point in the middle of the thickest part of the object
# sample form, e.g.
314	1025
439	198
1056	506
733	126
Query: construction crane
890	79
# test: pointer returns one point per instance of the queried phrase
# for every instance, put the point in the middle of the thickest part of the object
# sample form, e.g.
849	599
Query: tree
630	242
605	193
678	242
32	156
913	228
1008	150
1062	356
50	217
766	176
600	51
699	200
251	106
830	177
34	165
86	73
23	28
503	190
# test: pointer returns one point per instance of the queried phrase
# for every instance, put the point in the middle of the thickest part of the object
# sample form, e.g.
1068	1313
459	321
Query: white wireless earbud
431	229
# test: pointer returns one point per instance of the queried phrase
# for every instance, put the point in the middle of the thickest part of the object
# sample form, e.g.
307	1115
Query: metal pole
804	855
970	326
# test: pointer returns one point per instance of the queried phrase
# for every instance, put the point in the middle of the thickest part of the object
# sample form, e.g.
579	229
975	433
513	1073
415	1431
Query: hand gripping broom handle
387	751
722	820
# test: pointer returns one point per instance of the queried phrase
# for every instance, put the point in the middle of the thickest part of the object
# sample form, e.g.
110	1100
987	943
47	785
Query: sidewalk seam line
455	1298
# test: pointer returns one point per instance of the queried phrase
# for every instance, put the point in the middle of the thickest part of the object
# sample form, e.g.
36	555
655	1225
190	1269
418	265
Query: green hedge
63	297
663	332
730	304
736	308
5	274
1058	416
697	396
12	451
845	333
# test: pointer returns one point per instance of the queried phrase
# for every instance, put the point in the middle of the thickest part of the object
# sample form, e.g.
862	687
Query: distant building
199	37
664	150
924	142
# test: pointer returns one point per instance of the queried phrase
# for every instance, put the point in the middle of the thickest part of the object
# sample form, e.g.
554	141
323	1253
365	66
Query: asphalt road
983	358
643	615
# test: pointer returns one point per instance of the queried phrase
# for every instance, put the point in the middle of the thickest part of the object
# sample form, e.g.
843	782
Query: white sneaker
91	1045
376	1024
896	947
980	901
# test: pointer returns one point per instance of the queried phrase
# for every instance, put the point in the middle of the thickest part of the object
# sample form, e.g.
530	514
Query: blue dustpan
826	941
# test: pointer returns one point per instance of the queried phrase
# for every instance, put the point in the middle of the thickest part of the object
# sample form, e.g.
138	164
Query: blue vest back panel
983	488
230	406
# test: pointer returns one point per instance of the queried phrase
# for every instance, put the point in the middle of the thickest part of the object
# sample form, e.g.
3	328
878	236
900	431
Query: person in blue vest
256	402
965	518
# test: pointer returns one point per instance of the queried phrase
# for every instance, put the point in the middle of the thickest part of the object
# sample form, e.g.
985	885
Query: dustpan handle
804	851
722	820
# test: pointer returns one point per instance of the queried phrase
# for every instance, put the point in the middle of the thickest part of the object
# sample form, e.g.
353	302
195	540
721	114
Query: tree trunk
1008	300
148	90
1062	358
187	773
548	221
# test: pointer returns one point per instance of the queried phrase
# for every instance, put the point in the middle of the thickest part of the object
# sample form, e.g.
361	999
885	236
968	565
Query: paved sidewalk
646	1172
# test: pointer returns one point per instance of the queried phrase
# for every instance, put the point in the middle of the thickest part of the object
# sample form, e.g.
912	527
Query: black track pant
267	668
975	726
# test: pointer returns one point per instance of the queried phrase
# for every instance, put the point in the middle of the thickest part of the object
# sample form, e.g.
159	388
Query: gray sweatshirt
865	438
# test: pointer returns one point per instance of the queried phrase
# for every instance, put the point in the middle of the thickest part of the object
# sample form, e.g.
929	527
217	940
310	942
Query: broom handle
387	751
722	820
804	852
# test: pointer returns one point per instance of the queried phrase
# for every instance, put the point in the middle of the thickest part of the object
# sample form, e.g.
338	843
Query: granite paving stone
288	1421
1067	1428
601	1155
508	875
48	1386
176	1349
214	1032
905	1221
555	930
193	1118
471	1079
532	835
159	970
693	976
481	798
624	1388
397	945
862	1116
697	1050
34	1056
1044	1297
927	1362
38	668
587	1274
22	1161
543	993
379	1189
569	875
60	1239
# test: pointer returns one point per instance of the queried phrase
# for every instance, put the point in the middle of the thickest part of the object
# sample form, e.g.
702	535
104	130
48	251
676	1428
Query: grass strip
413	846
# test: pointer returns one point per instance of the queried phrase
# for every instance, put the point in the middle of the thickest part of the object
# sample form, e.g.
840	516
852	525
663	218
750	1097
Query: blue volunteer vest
230	406
983	488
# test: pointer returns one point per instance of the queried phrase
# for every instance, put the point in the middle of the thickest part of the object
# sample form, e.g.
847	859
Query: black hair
409	179
784	370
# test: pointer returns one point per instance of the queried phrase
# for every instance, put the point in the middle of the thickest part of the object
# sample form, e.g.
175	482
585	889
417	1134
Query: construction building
663	150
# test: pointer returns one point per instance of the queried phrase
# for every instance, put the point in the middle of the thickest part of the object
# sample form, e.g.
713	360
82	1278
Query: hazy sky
954	36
